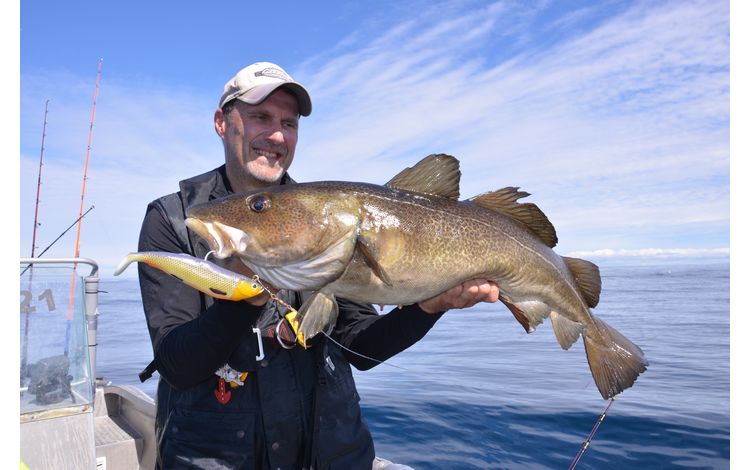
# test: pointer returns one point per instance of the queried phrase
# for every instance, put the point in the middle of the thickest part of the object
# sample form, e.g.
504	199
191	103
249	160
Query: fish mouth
224	240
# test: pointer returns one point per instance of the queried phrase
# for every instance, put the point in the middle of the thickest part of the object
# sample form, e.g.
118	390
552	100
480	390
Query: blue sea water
479	393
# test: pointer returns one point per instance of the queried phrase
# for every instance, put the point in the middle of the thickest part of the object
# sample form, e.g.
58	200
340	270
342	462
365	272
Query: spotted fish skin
409	240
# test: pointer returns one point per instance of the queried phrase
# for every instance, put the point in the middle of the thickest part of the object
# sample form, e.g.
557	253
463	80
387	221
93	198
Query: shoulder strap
173	211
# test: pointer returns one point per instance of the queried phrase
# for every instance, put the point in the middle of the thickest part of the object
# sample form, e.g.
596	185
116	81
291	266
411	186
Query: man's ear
220	122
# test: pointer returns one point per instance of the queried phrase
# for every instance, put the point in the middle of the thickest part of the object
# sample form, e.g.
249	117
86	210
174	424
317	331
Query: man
231	393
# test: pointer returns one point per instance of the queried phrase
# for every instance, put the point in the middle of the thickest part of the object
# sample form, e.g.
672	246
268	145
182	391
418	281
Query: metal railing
91	299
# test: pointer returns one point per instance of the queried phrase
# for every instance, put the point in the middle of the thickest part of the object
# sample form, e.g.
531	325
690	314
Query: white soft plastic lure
198	273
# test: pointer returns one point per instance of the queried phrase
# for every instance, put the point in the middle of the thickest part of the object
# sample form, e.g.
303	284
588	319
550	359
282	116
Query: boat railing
59	313
67	422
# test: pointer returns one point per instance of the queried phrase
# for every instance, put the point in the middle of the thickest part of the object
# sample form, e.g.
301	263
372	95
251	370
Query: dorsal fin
527	214
587	277
436	174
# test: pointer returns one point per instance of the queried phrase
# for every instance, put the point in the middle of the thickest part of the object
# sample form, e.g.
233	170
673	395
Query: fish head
279	226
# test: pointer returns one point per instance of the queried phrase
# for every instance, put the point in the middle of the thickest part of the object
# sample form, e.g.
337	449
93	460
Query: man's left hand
465	295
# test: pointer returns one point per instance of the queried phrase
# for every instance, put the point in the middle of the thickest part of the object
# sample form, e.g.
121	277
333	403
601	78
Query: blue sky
613	115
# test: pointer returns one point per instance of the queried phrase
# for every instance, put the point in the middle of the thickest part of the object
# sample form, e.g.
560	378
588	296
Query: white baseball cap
255	82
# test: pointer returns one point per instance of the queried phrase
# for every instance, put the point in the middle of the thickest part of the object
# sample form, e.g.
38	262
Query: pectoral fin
369	252
318	313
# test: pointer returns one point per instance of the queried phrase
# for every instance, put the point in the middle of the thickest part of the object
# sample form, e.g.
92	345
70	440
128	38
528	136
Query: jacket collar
212	185
206	187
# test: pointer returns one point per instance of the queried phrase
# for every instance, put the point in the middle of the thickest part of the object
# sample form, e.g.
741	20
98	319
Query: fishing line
591	436
362	355
278	300
59	237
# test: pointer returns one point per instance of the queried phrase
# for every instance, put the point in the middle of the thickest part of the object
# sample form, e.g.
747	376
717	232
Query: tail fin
125	263
614	360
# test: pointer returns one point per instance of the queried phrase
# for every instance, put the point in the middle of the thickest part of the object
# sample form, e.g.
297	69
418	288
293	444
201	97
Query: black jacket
268	422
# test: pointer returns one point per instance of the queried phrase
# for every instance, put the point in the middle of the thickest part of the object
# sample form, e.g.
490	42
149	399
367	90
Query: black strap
171	209
311	451
147	372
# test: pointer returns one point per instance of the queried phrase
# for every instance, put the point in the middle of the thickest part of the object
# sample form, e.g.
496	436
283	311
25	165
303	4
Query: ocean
479	393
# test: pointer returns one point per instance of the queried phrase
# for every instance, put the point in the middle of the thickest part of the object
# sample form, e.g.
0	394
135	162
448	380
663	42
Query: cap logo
273	73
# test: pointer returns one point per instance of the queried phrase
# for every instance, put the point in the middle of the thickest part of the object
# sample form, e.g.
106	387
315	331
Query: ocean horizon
478	392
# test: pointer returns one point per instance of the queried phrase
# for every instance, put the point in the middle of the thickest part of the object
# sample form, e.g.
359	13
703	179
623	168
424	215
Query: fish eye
258	203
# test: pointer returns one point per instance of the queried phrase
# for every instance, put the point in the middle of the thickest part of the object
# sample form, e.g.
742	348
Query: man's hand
467	294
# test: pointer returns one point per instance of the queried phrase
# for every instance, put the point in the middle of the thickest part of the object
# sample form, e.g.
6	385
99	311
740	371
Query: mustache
261	143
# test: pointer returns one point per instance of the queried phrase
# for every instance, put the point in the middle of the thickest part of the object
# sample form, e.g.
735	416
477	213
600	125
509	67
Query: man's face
259	140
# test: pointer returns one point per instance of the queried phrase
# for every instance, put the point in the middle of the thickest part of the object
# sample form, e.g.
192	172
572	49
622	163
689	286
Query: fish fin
369	252
530	313
535	311
587	278
615	361
436	174
318	313
504	201
125	263
518	313
566	331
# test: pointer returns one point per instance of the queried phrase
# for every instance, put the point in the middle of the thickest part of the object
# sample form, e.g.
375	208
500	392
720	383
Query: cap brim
261	92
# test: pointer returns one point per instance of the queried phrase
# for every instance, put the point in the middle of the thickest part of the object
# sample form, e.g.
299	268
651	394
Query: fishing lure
220	283
199	274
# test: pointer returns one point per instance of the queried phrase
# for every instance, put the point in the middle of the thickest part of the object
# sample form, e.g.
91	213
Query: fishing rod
80	213
88	151
587	442
39	181
33	242
58	237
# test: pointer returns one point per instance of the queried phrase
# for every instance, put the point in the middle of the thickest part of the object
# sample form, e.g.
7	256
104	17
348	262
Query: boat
68	418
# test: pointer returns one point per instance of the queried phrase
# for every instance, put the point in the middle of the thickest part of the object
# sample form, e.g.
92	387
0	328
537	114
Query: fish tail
615	361
125	263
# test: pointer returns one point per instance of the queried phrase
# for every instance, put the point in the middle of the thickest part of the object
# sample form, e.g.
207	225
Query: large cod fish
410	240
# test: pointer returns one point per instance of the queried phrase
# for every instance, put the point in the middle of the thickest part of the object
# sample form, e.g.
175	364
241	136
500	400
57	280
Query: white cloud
623	125
653	253
618	125
145	139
